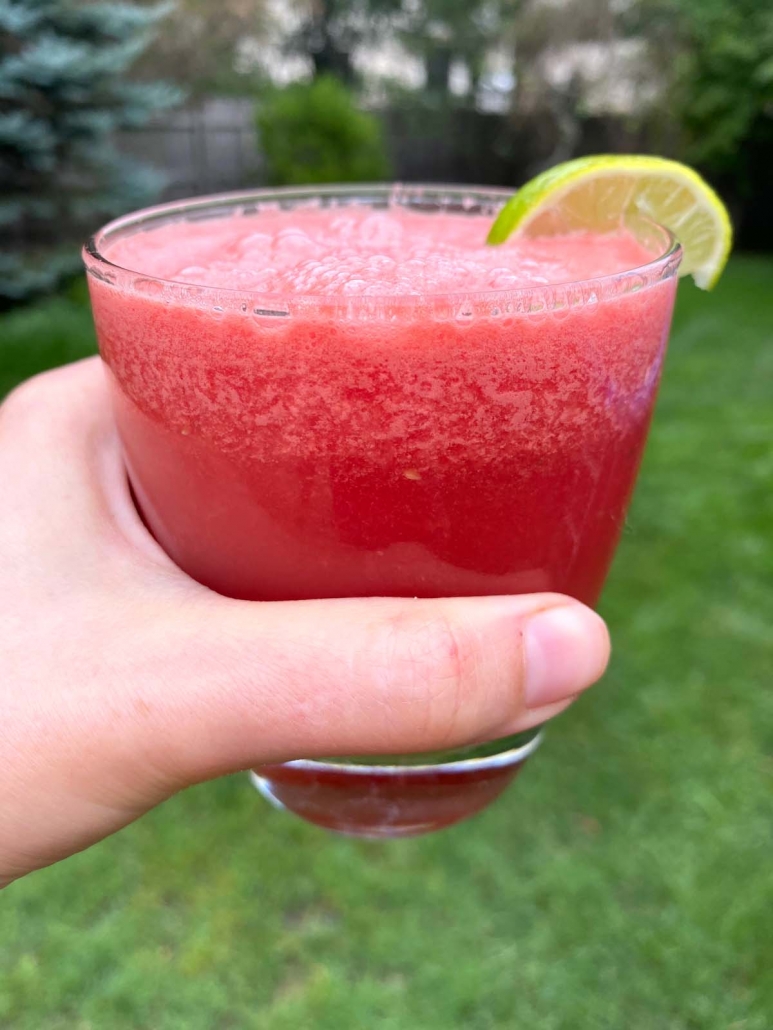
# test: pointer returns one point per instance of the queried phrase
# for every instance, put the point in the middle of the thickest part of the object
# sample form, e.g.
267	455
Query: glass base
394	797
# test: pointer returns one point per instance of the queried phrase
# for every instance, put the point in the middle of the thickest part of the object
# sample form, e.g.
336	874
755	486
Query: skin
123	681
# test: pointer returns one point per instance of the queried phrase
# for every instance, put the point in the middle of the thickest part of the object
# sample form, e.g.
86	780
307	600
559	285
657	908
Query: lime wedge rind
598	192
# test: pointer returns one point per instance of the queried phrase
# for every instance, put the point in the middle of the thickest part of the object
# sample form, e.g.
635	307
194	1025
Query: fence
205	148
213	146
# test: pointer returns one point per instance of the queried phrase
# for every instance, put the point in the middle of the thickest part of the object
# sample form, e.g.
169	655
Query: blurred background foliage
106	104
314	133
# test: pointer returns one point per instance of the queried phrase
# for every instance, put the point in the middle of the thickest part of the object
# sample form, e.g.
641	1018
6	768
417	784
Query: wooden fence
200	149
214	146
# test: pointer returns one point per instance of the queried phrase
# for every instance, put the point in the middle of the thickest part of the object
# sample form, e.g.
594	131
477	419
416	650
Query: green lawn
625	882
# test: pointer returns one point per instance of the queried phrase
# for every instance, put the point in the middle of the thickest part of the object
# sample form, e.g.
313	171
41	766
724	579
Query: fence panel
205	148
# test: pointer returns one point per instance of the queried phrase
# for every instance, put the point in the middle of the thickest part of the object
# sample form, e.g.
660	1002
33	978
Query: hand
122	680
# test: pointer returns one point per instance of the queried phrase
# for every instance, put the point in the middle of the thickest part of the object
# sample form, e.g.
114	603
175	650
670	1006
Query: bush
314	133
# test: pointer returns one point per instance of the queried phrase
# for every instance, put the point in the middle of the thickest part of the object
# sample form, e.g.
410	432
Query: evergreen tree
64	92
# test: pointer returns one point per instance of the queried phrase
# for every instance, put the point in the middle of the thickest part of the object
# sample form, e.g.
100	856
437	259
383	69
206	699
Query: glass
288	447
381	799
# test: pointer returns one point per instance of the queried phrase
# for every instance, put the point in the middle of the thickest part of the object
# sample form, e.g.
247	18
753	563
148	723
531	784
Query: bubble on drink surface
502	278
380	263
193	273
381	229
358	250
354	286
269	318
295	244
150	287
259	242
343	226
250	278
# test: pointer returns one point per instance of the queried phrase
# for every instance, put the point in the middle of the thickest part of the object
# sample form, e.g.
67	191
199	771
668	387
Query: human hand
122	680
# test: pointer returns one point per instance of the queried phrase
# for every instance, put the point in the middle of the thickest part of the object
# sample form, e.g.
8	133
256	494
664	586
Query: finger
224	685
47	412
68	495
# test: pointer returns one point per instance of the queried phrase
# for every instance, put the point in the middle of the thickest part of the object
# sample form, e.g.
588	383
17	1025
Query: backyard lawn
625	881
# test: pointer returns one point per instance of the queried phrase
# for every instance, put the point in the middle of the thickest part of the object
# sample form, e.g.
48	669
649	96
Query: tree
199	47
720	72
64	91
578	63
444	31
438	31
333	28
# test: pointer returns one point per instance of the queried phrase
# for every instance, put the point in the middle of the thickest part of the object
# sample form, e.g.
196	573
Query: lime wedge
598	192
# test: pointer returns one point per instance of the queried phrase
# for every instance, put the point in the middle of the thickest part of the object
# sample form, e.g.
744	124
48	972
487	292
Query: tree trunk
438	69
328	57
329	60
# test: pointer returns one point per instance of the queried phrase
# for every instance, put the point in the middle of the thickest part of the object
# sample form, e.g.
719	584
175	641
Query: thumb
240	683
191	685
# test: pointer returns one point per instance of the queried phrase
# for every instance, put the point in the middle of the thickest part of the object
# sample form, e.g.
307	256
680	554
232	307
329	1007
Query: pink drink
347	401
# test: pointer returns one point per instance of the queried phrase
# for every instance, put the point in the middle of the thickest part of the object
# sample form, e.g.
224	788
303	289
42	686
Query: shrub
314	133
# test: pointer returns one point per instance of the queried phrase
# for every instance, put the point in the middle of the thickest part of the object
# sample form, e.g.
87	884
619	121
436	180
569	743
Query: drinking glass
283	447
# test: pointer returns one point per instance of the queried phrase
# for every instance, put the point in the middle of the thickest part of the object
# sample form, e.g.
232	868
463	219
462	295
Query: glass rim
666	262
511	756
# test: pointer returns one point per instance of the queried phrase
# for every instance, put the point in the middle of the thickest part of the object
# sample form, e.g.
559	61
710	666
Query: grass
49	333
625	881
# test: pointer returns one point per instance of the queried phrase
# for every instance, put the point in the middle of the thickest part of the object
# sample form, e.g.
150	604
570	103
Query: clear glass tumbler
444	444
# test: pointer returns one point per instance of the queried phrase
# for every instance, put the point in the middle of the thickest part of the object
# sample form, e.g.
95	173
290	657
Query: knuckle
45	402
31	407
22	403
427	670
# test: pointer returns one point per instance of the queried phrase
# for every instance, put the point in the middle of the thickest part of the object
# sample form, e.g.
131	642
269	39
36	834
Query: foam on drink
359	251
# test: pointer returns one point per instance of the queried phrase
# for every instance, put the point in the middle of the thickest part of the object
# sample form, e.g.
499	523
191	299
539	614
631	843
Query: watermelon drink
345	392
